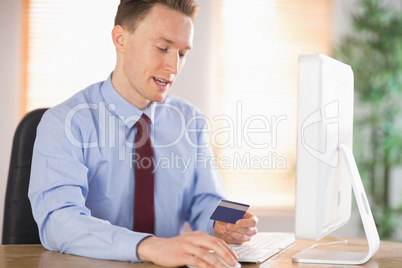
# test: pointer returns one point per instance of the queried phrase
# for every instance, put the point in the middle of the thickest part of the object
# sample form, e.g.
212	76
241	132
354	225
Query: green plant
374	50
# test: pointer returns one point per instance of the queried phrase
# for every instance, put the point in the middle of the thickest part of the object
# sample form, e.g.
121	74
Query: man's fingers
239	235
249	220
193	248
238	238
218	246
230	239
194	261
202	257
235	228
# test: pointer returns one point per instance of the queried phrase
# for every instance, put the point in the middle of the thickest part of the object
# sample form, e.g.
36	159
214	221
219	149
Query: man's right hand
188	249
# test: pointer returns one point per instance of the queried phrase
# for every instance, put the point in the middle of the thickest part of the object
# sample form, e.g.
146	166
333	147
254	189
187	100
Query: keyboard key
262	246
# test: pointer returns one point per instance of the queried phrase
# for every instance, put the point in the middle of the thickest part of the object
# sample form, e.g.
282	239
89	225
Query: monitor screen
325	120
326	168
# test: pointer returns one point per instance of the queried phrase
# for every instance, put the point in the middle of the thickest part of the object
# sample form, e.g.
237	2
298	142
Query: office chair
19	226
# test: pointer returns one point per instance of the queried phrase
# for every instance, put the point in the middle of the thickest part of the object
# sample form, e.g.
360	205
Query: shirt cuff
136	248
128	246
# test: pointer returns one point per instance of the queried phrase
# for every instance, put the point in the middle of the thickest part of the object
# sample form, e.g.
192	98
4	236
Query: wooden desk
22	256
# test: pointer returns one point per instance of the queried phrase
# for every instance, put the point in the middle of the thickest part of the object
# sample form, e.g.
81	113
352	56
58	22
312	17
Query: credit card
228	211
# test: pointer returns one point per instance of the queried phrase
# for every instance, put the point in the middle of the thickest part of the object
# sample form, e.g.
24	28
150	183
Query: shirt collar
124	110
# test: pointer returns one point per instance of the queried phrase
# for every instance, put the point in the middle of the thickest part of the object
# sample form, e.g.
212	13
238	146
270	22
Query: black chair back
19	226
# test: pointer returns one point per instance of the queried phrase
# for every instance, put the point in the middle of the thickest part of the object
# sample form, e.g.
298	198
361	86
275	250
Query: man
84	170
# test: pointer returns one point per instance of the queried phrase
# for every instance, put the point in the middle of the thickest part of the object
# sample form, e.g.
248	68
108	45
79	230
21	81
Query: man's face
155	54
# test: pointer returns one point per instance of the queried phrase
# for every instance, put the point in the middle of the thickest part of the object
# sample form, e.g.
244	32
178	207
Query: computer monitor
326	169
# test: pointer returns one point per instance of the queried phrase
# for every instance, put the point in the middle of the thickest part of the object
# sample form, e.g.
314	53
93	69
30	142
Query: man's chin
159	98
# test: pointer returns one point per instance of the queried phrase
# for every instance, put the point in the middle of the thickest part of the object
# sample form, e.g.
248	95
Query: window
260	46
63	52
260	41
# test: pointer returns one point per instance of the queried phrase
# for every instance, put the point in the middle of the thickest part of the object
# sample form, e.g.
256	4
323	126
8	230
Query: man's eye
162	49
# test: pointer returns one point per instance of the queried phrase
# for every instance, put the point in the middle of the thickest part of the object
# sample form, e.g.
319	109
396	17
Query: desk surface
21	256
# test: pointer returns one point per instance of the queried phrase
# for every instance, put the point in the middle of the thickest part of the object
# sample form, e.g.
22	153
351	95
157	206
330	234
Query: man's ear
118	36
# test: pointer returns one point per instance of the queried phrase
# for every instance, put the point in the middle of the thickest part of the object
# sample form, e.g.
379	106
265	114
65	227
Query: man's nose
173	63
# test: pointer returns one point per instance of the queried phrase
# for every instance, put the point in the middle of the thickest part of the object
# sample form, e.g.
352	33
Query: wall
10	66
196	84
284	221
342	26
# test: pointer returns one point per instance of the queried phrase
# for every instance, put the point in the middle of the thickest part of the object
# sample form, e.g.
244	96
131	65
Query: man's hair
131	12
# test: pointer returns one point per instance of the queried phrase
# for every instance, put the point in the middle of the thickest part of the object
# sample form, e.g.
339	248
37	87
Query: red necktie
144	215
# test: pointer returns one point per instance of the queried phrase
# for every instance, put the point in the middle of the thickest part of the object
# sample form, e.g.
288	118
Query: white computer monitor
326	169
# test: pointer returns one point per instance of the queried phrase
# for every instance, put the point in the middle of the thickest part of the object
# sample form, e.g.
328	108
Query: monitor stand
344	257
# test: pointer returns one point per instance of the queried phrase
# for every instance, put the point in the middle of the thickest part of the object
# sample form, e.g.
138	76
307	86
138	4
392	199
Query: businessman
120	167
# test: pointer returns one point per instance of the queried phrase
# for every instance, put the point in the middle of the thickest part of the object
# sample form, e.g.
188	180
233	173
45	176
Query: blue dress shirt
82	178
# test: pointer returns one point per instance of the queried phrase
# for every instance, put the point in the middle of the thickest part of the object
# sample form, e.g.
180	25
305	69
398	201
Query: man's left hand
237	233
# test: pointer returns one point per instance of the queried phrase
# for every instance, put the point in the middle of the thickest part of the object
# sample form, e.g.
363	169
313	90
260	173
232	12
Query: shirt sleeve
209	188
57	192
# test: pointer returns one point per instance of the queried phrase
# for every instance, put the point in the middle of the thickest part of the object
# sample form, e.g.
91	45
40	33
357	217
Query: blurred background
242	74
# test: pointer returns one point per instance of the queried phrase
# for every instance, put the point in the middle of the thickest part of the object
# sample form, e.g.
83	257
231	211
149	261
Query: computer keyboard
262	246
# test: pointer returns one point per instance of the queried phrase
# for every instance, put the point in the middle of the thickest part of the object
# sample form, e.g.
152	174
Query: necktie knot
143	123
142	126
